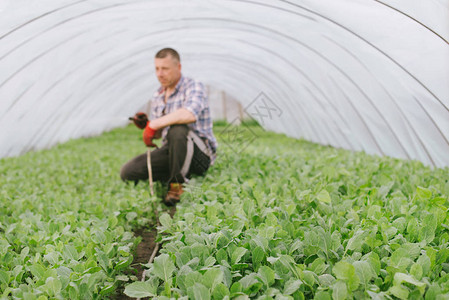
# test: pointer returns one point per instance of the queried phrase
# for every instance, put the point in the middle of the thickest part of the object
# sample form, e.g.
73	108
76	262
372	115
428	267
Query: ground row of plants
274	218
66	219
278	218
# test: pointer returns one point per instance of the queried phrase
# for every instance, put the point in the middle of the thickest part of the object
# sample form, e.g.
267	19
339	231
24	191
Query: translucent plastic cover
358	74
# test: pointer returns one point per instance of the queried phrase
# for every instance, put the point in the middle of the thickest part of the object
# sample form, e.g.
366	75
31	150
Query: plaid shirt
191	95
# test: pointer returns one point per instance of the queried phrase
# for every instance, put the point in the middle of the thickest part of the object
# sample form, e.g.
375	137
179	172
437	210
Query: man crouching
180	115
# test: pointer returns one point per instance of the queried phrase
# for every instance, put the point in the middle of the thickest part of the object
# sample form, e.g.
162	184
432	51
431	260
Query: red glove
140	120
148	135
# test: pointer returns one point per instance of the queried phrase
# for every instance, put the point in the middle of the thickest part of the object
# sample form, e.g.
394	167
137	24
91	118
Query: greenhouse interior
224	149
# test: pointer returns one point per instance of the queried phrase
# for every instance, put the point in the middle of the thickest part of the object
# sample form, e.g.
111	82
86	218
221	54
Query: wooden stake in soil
150	172
150	180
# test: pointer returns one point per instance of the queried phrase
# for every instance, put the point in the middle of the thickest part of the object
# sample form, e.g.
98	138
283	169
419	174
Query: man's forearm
180	116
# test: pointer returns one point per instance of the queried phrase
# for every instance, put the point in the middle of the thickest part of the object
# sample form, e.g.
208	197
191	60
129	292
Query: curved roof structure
366	75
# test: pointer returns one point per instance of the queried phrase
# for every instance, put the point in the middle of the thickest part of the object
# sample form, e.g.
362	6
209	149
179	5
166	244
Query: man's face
168	71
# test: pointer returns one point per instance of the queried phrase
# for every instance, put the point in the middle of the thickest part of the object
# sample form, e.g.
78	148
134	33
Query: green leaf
423	193
400	224
200	251
248	280
271	219
426	232
103	260
131	215
221	255
266	275
311	243
52	257
433	292
364	272
212	277
240	296
38	271
326	280
308	277
220	291
356	241
4	277
124	263
257	256
253	289
346	272
236	287
412	229
324	196
237	255
198	291
322	295
288	263
250	284
107	289
318	266
210	261
163	267
186	278
122	278
399	292
425	263
70	252
292	286
339	290
166	220
400	259
297	245
140	289
64	274
373	259
374	211
399	278
112	221
53	286
416	271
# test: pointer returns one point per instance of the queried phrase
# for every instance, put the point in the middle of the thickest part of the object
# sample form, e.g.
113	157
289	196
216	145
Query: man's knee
124	173
178	131
128	171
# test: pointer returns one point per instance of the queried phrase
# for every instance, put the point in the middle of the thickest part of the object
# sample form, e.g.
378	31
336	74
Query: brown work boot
174	194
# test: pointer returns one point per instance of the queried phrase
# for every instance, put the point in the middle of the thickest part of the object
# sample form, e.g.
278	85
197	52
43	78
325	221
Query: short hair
163	53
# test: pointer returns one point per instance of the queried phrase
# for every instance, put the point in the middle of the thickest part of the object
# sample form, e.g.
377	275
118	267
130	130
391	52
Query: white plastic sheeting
358	74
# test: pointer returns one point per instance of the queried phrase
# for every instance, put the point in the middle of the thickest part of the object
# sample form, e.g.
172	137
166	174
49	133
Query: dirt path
141	256
143	253
144	249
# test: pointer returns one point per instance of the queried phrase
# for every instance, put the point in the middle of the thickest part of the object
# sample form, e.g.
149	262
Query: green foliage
287	219
280	219
66	219
141	289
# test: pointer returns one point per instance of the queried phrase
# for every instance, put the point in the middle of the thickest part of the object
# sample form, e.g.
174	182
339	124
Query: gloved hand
148	135
140	120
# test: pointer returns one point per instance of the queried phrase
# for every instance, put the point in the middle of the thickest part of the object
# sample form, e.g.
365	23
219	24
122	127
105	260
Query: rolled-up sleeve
195	99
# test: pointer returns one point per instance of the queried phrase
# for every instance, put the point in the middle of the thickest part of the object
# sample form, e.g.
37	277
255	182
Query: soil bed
143	253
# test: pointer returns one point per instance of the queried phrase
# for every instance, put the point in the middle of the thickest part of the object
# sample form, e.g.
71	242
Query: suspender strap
191	139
